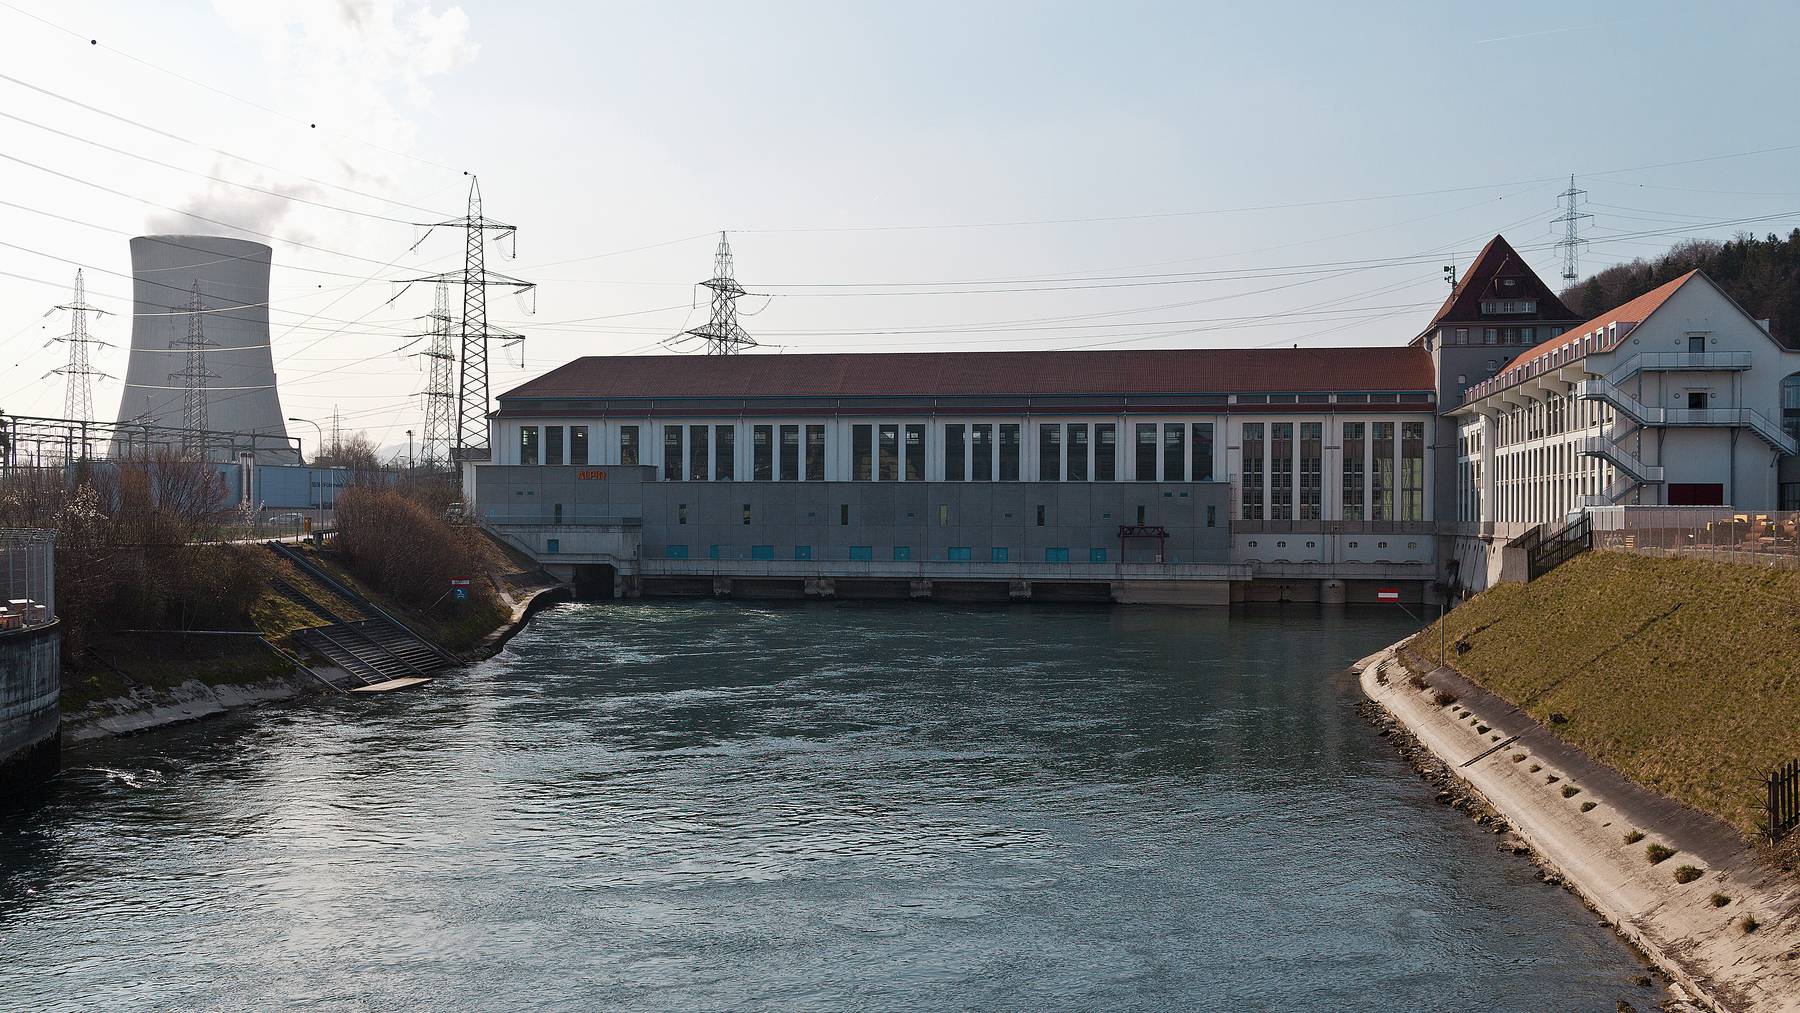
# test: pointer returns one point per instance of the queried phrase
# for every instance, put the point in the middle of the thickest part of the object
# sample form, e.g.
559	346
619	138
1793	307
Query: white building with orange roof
1675	398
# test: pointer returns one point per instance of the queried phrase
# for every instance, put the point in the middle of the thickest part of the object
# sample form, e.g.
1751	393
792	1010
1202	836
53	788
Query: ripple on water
705	805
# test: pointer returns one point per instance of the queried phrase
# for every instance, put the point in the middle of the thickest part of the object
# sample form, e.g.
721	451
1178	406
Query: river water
721	806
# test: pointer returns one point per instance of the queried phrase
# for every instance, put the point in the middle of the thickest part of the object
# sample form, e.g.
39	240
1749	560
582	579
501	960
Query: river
854	806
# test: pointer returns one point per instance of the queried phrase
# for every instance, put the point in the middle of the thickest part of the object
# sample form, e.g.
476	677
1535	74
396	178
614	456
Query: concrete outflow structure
238	369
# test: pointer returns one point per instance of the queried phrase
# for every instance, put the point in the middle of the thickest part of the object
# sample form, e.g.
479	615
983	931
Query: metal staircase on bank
1765	428
373	649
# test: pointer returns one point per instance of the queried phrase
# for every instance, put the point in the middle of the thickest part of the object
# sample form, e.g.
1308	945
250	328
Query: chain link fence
28	567
1722	535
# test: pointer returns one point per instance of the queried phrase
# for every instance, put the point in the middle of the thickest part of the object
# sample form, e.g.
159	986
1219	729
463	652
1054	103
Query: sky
954	176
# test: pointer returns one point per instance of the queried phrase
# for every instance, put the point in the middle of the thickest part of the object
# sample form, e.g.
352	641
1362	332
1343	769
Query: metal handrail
1671	361
1622	459
1644	415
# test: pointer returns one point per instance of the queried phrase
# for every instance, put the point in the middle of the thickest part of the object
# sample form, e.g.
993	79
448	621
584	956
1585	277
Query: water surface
719	806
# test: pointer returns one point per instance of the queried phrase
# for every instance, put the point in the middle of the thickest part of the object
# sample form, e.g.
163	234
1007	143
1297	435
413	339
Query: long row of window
901	553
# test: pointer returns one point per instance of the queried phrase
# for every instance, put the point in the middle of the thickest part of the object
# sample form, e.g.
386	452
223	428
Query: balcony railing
1742	418
1672	361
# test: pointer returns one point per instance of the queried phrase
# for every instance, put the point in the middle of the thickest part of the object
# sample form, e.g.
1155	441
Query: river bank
1721	922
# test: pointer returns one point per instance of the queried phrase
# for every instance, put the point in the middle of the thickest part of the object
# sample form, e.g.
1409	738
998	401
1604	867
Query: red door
1696	494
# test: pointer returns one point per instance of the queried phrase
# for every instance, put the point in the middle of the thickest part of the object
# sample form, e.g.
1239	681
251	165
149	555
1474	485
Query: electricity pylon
721	332
471	435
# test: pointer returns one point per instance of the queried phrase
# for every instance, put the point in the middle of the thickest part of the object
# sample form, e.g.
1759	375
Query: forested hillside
1763	274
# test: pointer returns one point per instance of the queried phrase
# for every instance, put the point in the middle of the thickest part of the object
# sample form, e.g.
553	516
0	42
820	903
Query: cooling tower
233	275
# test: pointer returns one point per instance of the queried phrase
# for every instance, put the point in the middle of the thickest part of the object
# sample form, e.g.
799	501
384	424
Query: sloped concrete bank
1594	830
144	709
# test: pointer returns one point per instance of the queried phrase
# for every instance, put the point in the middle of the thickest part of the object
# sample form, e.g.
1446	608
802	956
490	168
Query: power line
721	332
220	91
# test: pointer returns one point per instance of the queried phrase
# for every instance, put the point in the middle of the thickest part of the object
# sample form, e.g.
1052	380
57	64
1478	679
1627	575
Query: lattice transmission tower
721	332
79	375
194	378
1571	242
470	440
440	388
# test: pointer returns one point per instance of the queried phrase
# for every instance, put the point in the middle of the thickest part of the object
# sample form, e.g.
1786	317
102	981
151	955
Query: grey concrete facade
821	522
30	690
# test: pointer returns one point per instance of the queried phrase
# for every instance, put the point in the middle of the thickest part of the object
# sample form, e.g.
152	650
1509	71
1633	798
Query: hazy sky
920	175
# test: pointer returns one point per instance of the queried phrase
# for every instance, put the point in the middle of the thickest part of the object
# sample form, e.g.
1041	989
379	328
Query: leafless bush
404	548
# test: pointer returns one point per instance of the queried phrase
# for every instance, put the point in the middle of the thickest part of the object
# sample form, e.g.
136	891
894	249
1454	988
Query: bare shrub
400	546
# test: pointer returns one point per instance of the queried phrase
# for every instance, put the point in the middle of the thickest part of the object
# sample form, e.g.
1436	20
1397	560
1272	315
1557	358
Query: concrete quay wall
30	690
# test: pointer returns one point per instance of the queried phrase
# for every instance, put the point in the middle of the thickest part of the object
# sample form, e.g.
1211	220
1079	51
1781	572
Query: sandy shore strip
1595	829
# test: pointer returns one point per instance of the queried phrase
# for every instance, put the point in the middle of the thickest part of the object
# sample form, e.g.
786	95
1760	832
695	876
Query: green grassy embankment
1682	675
456	628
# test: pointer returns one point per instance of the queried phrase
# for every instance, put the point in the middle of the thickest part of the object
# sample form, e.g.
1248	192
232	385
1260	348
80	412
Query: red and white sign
1387	594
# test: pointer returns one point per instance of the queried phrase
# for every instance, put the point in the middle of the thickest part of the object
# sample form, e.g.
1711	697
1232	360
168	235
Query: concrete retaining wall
30	686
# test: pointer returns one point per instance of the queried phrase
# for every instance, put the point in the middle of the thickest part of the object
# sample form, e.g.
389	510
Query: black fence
1784	800
1548	551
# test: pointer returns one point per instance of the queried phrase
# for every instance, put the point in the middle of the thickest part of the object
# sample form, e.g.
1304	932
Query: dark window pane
1050	452
1106	452
528	444
725	453
1146	451
955	453
697	463
1078	452
790	453
578	445
1009	452
862	452
672	453
553	440
1174	452
1203	452
815	453
915	453
762	453
981	454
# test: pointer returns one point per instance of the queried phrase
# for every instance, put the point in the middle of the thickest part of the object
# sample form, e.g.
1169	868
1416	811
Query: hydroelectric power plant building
1200	476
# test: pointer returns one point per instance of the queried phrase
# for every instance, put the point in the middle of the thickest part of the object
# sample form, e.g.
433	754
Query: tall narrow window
955	453
672	453
1253	472
1009	451
1381	479
1078	452
628	445
862	453
697	448
815	453
762	453
725	453
1203	452
1311	469
1281	471
553	444
1146	451
790	453
981	453
1049	452
1174	452
1412	471
1353	471
578	444
887	454
528	444
1106	452
915	453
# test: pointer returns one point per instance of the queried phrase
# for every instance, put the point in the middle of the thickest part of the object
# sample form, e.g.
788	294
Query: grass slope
1683	675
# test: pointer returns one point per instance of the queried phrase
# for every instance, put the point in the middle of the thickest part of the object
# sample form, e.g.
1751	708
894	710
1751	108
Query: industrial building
1178	475
206	367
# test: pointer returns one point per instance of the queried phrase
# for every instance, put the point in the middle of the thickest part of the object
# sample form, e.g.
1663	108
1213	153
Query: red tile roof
1629	315
961	374
1496	261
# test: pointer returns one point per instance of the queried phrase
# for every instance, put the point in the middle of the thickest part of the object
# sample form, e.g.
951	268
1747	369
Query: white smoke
245	213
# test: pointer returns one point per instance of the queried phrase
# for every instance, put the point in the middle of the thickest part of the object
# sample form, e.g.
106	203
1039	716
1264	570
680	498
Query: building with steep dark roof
1190	475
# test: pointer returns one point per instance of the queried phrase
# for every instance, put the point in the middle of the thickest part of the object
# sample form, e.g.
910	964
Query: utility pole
470	441
440	389
721	332
194	376
1571	243
78	394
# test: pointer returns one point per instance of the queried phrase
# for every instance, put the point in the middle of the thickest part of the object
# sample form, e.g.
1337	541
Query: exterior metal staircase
361	639
1766	429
